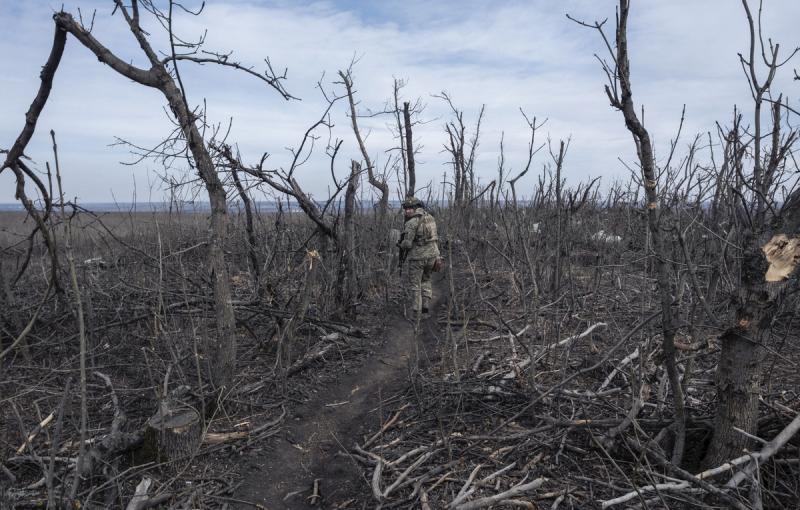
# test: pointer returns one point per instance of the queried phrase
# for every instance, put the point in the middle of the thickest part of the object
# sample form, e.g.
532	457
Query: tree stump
172	433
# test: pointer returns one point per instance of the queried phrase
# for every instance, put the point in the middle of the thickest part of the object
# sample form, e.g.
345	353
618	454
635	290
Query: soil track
319	433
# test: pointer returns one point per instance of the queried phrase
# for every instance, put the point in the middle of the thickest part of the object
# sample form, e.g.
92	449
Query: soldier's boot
426	301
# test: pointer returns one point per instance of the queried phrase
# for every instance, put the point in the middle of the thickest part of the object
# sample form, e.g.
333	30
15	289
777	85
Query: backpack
426	230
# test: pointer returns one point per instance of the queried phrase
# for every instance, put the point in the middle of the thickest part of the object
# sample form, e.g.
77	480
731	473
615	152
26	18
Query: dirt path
318	434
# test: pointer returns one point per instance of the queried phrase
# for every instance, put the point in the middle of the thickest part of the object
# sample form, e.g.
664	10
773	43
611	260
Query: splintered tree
760	294
163	75
757	211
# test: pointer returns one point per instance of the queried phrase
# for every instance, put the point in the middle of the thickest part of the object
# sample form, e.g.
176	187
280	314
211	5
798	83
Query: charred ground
341	398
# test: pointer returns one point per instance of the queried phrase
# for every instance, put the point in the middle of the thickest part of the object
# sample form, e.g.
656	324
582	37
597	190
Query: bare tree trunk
621	98
412	177
739	377
559	160
396	86
739	373
252	250
347	273
382	186
19	169
221	347
531	151
78	304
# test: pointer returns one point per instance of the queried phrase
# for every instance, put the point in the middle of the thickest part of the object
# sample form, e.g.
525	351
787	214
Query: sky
510	56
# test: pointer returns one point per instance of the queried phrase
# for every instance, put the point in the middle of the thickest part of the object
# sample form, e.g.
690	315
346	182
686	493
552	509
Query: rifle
403	252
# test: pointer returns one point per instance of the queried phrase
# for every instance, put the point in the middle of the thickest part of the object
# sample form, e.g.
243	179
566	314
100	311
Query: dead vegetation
572	409
146	315
634	347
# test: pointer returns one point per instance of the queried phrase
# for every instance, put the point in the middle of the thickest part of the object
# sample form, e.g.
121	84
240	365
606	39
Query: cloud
508	55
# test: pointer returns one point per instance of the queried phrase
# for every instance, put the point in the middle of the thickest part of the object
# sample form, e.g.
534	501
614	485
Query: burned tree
759	297
462	152
379	184
532	150
620	94
283	180
346	278
14	162
325	216
163	75
409	141
252	252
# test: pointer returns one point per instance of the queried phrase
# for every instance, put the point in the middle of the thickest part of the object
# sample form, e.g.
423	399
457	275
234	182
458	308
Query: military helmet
411	202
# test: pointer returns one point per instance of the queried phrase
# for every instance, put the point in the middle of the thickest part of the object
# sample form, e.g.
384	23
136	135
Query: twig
35	432
408	471
385	427
376	481
464	493
587	332
314	498
51	495
140	498
627	359
564	381
31	322
498	498
768	451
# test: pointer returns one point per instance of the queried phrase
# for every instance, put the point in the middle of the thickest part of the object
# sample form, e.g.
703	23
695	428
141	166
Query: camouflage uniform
421	240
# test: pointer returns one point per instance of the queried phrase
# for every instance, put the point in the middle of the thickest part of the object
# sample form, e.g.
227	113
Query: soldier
419	243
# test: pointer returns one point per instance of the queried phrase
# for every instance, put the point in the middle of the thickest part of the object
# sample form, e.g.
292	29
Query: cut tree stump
172	433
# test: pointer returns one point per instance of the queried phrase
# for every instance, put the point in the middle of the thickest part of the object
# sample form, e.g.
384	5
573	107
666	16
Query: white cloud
507	55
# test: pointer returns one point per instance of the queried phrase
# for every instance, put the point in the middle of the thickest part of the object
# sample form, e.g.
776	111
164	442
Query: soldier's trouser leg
425	283
414	284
